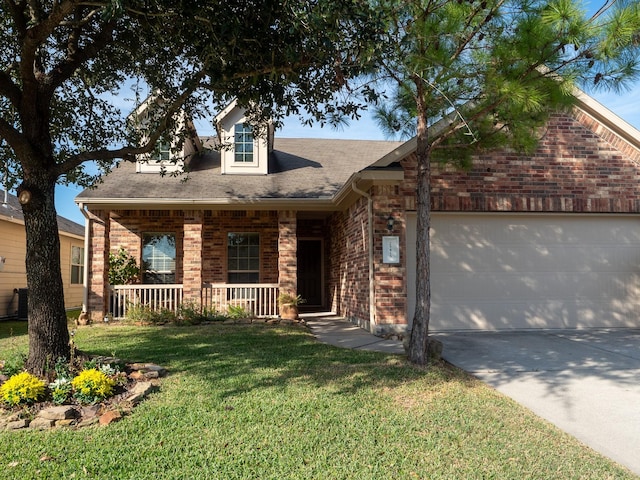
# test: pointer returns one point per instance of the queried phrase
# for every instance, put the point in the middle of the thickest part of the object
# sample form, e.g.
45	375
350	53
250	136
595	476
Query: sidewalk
337	331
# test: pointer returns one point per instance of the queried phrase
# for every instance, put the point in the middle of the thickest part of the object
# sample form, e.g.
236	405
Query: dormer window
243	144
162	152
242	150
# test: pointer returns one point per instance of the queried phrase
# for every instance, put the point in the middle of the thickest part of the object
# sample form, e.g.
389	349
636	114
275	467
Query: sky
625	104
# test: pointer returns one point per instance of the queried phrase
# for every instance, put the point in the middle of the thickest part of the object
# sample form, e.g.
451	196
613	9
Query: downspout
85	270
372	300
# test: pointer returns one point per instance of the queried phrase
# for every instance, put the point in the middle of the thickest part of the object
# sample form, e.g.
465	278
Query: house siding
14	276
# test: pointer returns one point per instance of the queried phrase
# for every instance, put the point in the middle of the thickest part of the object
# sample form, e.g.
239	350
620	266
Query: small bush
13	365
92	386
22	388
144	315
238	313
60	390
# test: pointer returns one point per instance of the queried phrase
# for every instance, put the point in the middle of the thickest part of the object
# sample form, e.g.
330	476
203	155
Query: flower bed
101	391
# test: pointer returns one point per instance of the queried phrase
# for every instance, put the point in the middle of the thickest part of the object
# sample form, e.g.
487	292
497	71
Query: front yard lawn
264	402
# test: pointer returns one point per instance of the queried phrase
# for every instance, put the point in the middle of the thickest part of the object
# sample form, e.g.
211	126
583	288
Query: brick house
542	241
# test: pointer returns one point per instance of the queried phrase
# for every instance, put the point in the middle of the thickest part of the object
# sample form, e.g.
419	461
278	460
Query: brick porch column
98	268
287	252
192	257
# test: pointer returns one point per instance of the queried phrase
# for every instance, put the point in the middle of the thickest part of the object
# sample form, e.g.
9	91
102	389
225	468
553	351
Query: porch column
192	257
98	268
287	252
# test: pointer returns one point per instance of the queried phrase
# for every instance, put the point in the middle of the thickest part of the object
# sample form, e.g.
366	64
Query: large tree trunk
48	332
419	343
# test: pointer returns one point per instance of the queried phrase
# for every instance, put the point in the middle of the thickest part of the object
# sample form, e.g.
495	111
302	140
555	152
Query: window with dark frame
159	258
243	257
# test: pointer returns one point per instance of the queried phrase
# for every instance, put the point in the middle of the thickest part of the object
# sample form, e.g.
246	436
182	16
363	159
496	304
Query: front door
310	271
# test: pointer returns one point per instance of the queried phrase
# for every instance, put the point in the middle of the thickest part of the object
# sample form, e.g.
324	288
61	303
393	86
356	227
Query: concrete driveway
587	382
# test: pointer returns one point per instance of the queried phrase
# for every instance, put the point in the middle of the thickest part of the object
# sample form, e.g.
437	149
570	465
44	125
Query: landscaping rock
70	422
62	412
140	391
17	424
46	416
40	423
89	411
110	417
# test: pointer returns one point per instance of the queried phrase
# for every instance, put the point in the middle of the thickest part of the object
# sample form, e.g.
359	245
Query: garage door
492	271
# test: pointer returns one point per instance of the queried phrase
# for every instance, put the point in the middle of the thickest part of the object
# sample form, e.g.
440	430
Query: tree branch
128	152
9	89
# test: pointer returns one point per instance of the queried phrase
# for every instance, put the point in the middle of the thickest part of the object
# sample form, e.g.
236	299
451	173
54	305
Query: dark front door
310	271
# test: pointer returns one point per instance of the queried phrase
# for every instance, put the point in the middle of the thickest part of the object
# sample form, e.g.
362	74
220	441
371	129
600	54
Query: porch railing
155	297
261	299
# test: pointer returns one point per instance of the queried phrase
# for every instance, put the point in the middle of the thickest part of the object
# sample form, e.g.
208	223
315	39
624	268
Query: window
162	152
243	143
243	257
77	265
159	258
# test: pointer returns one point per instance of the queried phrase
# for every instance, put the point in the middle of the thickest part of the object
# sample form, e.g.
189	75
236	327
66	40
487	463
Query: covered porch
208	259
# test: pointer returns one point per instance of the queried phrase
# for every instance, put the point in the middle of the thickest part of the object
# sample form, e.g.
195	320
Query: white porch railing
261	299
156	297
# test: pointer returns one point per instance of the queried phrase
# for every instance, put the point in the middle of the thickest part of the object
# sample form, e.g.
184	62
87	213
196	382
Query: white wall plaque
390	249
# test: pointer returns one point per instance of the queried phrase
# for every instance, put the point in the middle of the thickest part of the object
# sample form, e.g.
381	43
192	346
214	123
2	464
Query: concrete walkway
586	382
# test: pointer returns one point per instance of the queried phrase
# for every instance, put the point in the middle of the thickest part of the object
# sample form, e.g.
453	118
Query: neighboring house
550	240
13	248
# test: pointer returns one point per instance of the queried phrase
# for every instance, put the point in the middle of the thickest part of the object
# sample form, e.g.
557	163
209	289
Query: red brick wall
389	279
349	263
125	229
573	170
217	224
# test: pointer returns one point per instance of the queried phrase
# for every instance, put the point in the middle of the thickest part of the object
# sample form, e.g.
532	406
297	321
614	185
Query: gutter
85	270
372	297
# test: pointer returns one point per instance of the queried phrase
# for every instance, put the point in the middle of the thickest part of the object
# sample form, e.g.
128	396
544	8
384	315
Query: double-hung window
77	265
243	257
159	257
243	143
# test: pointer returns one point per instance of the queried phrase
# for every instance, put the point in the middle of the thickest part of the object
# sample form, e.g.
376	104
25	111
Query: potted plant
288	304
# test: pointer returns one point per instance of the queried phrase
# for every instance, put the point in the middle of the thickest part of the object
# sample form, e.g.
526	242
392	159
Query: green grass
260	402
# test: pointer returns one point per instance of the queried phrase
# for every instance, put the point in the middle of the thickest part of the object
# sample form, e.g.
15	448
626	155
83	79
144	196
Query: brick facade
580	166
573	170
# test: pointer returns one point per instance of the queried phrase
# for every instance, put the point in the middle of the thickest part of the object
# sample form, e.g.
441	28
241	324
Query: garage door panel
531	271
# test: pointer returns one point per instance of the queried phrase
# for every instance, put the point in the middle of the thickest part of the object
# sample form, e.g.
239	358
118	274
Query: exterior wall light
390	223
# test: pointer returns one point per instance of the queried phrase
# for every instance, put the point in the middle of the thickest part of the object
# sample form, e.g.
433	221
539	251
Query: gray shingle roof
300	169
13	210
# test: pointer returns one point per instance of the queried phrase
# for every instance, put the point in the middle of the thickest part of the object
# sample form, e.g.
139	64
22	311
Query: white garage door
502	271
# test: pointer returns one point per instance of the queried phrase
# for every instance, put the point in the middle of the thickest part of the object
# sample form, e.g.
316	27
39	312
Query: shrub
13	365
92	386
22	388
123	268
60	390
190	313
144	315
238	312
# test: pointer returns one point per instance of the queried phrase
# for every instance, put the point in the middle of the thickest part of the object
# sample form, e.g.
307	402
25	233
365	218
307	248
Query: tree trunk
419	343
48	332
